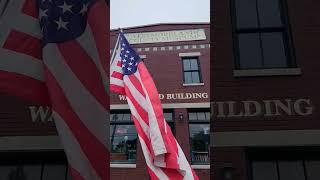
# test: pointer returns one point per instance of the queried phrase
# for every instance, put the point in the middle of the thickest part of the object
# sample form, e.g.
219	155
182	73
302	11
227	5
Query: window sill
194	84
114	165
206	166
267	72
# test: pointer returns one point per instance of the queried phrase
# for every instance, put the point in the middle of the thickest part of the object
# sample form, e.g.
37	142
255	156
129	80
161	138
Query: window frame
285	30
38	158
276	155
197	58
122	123
205	110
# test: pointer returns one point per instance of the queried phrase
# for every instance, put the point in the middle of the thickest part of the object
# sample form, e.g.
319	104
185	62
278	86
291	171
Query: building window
290	163
261	34
191	70
168	116
123	137
286	170
34	166
199	134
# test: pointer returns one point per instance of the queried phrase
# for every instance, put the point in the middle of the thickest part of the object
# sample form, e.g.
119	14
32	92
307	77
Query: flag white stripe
156	170
88	44
77	94
134	113
155	134
136	94
116	81
184	164
76	157
21	64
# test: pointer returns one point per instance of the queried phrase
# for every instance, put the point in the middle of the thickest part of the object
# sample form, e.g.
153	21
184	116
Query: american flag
53	52
129	76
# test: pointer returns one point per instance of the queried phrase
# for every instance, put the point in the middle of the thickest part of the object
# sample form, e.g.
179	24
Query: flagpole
116	47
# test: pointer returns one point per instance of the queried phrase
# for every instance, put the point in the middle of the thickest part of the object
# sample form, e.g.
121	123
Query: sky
128	13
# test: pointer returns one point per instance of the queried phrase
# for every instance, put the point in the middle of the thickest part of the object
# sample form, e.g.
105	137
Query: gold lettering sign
166	36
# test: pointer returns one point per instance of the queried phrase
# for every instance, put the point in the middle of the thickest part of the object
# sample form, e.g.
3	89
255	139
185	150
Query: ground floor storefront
267	155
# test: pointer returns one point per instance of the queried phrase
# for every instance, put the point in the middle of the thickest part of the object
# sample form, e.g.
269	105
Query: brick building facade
265	94
177	56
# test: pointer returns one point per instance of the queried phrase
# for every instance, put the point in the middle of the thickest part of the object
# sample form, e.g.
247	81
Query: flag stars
65	7
129	69
127	52
132	58
43	13
125	55
130	63
84	9
61	24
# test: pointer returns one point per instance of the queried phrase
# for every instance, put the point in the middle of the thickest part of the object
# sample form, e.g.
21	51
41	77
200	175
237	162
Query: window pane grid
261	17
191	70
286	170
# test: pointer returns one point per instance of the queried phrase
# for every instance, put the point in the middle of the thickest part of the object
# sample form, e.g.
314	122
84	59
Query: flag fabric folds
53	53
129	76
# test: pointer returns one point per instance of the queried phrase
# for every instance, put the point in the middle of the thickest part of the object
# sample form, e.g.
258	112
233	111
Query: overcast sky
127	13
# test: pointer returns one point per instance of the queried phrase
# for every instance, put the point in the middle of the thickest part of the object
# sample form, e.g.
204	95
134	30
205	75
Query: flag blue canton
62	20
129	58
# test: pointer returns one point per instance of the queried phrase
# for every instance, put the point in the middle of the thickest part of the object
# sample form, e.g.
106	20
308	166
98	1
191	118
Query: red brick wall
225	87
166	70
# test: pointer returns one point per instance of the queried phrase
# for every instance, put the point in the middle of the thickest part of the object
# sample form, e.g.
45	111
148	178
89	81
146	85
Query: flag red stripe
99	23
156	104
143	135
24	43
24	87
119	64
117	89
117	75
143	114
173	174
75	174
153	176
137	84
30	8
85	69
94	150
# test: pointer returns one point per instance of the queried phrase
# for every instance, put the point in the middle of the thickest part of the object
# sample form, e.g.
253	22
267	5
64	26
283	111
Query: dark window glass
246	13
123	137
291	170
261	35
313	170
187	77
191	71
123	143
250	51
264	171
199	133
23	172
273	50
269	13
54	172
199	139
194	64
168	116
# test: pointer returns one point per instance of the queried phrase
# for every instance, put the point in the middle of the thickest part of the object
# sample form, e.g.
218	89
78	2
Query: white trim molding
114	165
193	84
188	54
167	106
267	72
143	56
265	138
206	166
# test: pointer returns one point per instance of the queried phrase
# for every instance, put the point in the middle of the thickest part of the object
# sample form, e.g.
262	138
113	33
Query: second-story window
191	70
261	33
